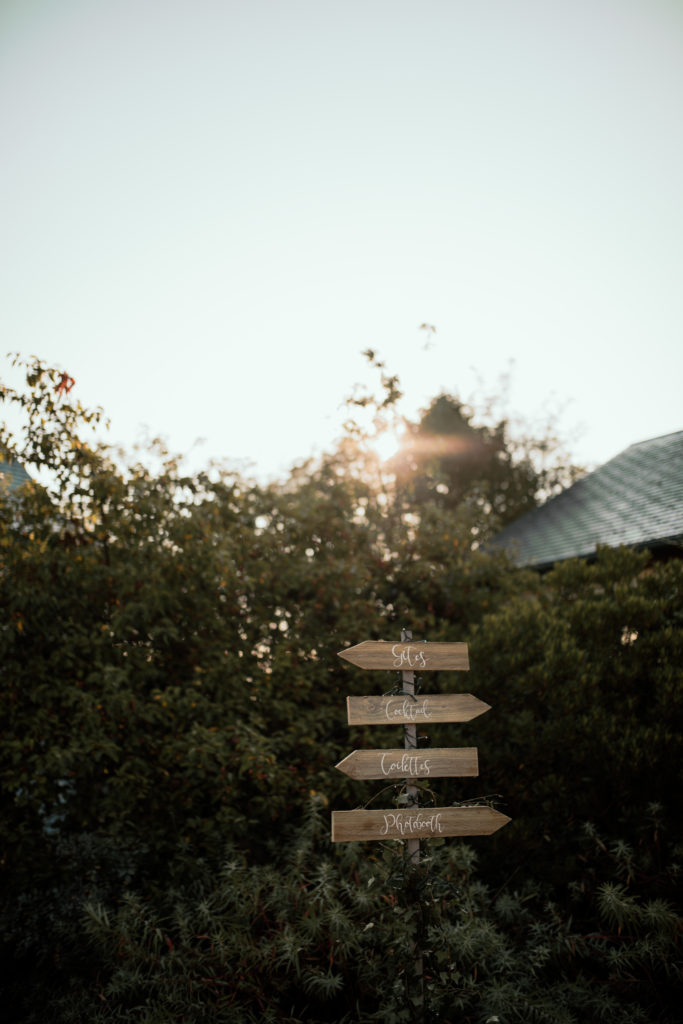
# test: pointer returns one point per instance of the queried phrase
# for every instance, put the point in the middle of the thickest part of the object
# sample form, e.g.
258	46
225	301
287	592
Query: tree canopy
447	459
173	708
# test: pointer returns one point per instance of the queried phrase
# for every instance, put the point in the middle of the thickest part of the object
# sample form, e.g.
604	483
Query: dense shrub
322	934
173	708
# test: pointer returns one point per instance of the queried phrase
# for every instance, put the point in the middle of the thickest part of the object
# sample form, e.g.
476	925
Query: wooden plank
427	763
384	710
422	823
407	657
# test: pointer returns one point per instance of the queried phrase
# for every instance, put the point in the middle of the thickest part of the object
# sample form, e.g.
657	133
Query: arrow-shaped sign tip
485	707
504	820
343	766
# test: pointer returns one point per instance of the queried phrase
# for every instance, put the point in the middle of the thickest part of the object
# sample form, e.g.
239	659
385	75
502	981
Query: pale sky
209	209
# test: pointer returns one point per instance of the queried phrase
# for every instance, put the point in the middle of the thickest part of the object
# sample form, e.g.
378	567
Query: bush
171	692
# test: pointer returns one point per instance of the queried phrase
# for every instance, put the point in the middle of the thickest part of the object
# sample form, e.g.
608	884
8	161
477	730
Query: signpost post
410	741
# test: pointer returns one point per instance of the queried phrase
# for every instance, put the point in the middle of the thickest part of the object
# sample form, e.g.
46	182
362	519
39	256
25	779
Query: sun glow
385	445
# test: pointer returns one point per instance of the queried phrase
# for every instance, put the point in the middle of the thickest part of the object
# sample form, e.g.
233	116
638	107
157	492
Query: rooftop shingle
13	474
635	499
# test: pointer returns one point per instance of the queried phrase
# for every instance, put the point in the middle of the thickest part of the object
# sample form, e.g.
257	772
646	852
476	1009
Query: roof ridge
649	440
635	498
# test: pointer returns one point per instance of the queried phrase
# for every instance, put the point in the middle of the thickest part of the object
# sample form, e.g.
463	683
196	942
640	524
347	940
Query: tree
173	707
447	460
585	674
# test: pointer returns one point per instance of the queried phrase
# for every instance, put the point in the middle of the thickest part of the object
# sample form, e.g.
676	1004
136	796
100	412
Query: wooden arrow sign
407	657
438	707
438	763
425	823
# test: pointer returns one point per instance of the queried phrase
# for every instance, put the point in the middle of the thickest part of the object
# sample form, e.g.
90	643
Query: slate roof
635	499
13	474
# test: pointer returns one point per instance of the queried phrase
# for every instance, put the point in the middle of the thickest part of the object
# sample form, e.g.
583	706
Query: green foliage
50	428
586	681
333	934
173	708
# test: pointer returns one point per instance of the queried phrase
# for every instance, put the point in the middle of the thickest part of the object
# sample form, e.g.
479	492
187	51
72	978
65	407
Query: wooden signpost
436	762
425	823
410	710
412	823
407	657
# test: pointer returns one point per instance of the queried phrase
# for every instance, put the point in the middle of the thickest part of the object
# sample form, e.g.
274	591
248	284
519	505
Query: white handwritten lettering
408	710
410	764
409	824
408	657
